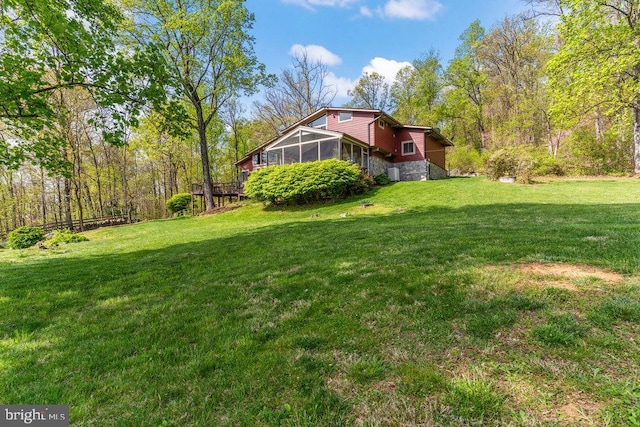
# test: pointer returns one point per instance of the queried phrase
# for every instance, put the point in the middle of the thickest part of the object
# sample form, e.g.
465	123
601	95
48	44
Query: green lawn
456	302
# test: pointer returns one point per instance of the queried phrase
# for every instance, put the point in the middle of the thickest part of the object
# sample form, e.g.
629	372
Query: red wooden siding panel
356	127
435	152
415	135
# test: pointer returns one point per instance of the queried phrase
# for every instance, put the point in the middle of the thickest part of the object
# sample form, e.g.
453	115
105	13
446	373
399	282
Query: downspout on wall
369	141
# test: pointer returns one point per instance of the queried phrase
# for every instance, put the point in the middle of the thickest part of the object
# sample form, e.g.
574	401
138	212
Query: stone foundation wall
412	171
377	166
409	171
436	172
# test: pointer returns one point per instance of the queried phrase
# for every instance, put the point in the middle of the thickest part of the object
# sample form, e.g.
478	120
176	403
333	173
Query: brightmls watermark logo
34	415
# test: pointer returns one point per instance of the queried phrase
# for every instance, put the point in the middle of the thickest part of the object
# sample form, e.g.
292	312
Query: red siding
247	165
415	135
385	138
356	127
435	152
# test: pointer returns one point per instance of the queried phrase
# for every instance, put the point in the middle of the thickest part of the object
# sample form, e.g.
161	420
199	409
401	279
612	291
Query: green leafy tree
464	100
46	47
416	91
210	55
371	92
597	67
513	56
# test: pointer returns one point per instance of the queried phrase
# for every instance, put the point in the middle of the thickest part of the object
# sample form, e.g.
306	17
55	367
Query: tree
597	67
210	54
371	92
46	47
513	56
467	82
298	92
416	91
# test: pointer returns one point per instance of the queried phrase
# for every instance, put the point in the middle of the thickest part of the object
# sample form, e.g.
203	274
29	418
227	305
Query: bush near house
304	183
25	237
178	202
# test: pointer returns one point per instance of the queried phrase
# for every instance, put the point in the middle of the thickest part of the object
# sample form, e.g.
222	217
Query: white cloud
316	53
387	68
412	9
365	11
342	85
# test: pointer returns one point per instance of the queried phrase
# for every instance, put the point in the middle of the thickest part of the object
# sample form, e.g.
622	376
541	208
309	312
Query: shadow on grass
210	332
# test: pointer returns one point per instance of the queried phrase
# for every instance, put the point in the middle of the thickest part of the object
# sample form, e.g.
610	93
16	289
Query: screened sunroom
306	144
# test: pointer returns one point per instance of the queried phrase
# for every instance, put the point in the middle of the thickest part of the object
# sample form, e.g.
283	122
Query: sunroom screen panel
291	154
292	139
329	149
309	152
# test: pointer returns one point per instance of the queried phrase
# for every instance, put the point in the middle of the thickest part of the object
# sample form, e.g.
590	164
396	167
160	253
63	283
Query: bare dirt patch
569	271
221	209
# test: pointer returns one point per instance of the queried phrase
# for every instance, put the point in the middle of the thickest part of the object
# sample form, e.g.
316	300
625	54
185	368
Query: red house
370	138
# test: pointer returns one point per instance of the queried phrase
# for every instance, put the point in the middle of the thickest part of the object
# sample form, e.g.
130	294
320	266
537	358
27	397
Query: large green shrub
309	182
510	161
65	236
382	179
25	237
179	202
464	160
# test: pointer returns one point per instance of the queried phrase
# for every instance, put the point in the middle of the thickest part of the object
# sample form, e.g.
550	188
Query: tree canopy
47	47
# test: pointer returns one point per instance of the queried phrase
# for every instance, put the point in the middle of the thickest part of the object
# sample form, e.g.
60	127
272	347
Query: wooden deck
221	190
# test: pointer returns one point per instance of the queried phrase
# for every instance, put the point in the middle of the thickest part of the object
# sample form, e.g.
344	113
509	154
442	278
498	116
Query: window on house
320	122
274	157
260	158
381	124
408	147
345	116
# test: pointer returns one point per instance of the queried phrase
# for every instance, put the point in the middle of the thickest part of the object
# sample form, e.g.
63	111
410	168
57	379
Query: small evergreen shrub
179	202
65	236
382	179
309	182
25	237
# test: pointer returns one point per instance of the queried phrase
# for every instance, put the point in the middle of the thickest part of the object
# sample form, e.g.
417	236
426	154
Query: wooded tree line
108	112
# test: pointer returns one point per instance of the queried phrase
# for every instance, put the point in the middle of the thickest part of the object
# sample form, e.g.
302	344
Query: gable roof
435	132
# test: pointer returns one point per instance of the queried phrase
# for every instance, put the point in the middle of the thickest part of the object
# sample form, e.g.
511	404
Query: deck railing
232	188
77	225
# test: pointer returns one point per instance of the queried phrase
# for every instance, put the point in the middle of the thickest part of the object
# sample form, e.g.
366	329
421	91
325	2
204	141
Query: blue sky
356	36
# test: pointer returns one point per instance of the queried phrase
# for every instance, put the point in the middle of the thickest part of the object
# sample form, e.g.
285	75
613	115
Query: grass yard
456	302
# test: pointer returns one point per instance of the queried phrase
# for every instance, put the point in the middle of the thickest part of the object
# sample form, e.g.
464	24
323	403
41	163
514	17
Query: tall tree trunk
636	136
125	186
204	154
67	203
60	200
43	198
12	196
96	166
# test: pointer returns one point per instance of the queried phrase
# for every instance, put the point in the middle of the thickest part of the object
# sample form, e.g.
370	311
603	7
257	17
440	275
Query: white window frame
381	123
408	153
340	119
